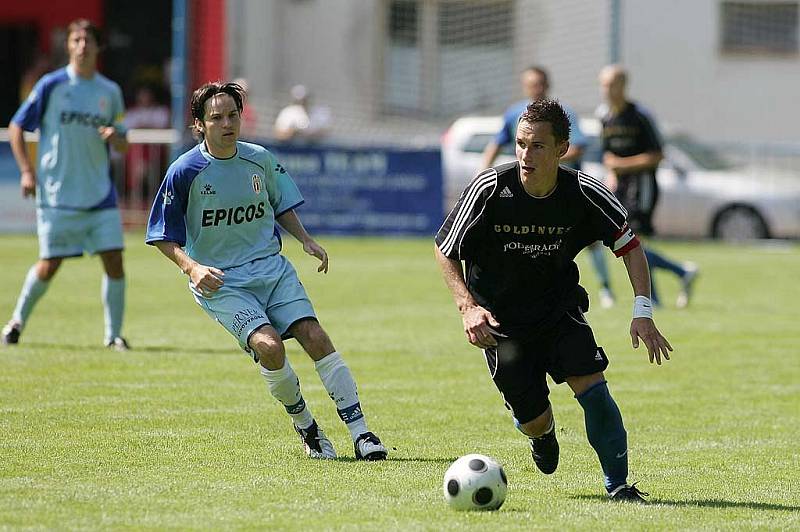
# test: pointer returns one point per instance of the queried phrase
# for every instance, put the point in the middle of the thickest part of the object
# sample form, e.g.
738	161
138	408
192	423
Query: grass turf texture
181	432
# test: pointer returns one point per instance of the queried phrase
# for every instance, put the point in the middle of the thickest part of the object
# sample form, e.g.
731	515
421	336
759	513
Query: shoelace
637	491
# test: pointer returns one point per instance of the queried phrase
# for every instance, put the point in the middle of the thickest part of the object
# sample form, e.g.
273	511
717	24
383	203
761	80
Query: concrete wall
678	71
671	48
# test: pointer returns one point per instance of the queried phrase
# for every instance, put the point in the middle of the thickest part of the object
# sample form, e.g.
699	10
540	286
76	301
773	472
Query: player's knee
112	263
47	268
539	424
313	338
270	350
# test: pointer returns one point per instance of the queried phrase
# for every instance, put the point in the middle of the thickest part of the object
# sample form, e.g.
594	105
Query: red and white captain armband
642	307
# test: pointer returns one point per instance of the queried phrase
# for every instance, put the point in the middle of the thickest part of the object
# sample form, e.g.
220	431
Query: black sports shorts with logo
518	365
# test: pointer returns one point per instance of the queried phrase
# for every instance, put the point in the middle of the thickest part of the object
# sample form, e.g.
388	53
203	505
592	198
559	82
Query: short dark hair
90	27
209	90
548	111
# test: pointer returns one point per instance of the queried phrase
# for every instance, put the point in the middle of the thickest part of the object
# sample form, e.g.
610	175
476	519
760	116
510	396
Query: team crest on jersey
103	104
256	184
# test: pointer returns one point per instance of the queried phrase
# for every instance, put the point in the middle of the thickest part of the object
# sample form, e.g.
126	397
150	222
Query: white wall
672	52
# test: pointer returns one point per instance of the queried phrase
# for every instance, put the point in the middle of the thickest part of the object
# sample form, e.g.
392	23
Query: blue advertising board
366	191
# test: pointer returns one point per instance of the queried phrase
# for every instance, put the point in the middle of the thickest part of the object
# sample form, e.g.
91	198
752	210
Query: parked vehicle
702	195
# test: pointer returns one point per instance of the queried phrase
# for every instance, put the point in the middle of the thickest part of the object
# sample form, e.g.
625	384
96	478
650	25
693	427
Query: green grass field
181	432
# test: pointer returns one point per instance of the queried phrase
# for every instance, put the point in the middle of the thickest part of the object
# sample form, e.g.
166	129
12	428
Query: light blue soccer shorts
264	291
70	233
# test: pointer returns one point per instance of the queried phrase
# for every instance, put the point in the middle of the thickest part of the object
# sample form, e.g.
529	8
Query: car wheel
740	223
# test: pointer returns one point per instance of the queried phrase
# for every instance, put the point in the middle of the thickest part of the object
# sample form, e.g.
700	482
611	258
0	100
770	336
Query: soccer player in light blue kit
79	114
214	217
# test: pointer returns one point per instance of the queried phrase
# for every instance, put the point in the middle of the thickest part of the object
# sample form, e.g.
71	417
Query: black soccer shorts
518	365
639	193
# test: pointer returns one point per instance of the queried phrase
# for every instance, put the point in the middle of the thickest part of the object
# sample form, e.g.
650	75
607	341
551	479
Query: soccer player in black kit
631	153
518	227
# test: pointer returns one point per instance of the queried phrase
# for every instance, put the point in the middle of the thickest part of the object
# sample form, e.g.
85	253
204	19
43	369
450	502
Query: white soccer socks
284	386
341	387
32	290
113	294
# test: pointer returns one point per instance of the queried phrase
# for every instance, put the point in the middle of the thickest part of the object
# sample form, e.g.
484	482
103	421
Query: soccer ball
475	482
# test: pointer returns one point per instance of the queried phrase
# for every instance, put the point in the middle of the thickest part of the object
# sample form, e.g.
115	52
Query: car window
477	143
703	156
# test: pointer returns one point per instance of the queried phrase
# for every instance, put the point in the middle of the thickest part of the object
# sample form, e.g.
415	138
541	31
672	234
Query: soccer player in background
535	84
518	228
214	217
79	113
631	153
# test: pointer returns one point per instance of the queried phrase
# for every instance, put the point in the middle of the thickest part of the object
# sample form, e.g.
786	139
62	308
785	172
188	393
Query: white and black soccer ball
475	482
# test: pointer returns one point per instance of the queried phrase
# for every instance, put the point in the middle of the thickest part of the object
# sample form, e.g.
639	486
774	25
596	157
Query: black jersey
628	133
519	250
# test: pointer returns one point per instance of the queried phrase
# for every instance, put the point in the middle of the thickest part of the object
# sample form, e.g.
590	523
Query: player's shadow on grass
134	348
392	458
705	503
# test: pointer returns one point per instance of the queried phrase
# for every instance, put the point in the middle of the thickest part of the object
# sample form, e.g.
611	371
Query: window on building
759	27
448	57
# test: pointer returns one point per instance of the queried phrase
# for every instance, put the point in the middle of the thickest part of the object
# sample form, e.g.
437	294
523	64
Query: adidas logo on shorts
506	193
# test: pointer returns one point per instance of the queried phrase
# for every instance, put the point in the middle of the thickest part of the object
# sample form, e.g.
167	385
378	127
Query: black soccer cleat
369	447
315	443
544	451
628	494
11	333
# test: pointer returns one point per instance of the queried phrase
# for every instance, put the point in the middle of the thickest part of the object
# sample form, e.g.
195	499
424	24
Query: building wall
677	70
671	49
329	47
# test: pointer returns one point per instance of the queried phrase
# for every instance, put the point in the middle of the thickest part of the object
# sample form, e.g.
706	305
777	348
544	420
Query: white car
700	194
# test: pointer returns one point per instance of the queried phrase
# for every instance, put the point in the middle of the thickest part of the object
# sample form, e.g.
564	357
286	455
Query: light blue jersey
73	170
222	211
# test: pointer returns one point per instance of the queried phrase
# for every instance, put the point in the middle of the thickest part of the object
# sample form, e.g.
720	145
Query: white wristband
642	307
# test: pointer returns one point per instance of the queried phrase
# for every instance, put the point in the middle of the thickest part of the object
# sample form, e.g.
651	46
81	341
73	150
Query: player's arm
573	152
634	163
477	320
291	222
27	173
642	325
118	140
206	279
490	153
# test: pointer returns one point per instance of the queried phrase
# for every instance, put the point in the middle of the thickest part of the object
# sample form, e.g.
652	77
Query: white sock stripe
465	208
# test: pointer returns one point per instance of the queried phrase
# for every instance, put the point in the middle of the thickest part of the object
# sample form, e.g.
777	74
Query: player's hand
206	279
27	182
315	250
657	345
478	323
106	132
611	162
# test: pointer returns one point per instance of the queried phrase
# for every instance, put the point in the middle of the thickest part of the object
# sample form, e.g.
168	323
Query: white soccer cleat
606	298
687	280
118	344
369	447
11	332
315	443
